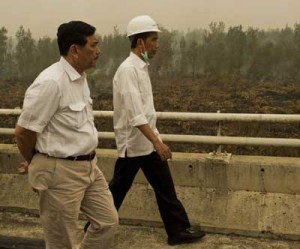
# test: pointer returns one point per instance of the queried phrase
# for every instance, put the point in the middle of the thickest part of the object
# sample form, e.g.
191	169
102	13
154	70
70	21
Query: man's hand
23	169
163	150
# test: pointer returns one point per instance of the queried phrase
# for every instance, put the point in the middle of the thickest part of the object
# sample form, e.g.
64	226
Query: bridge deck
18	230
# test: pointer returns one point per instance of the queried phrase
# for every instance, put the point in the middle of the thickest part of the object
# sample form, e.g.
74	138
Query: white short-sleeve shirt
57	106
133	106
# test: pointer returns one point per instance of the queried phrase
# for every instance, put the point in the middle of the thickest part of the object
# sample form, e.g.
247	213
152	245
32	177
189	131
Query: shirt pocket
77	114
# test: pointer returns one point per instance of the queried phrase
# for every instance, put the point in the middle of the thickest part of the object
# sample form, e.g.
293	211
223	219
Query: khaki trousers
65	188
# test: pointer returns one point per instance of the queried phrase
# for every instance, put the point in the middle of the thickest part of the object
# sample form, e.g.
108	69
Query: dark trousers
158	175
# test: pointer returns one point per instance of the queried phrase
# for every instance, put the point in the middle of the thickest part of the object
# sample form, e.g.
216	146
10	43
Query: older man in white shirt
56	135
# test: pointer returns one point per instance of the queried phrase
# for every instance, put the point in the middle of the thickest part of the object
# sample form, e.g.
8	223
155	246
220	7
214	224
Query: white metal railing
217	117
198	116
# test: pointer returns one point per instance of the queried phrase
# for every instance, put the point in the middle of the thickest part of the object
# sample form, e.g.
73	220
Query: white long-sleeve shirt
133	106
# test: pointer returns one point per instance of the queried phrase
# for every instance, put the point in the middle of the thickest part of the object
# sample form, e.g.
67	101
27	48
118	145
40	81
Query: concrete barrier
248	195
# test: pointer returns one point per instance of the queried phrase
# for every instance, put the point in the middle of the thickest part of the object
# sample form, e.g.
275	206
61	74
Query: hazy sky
42	17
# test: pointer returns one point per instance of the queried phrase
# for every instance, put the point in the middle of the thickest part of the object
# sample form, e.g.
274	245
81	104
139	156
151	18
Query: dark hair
74	32
133	39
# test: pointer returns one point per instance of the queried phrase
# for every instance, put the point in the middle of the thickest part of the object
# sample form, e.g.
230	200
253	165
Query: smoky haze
42	17
236	56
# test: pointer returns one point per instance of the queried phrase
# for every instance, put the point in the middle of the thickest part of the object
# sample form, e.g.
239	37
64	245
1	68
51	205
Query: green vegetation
231	70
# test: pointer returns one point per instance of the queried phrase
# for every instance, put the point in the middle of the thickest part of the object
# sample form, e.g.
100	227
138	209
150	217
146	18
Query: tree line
256	54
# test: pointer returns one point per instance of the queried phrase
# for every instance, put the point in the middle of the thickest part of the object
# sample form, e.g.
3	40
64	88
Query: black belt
88	157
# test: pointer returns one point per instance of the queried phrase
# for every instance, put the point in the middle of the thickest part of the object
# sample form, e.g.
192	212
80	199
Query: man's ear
141	44
73	51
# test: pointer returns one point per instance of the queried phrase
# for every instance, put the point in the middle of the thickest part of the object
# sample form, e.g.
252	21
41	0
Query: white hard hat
141	24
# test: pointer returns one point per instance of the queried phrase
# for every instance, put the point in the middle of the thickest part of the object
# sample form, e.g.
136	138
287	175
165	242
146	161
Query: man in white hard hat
138	142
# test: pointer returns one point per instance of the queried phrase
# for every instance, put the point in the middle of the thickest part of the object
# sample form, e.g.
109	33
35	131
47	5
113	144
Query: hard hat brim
144	31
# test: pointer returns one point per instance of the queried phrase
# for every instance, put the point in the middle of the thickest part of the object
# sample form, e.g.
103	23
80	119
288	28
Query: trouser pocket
41	172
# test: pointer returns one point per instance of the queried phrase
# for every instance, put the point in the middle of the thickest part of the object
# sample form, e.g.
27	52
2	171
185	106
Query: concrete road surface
20	231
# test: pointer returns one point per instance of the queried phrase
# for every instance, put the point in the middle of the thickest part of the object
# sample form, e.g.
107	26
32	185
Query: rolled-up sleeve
132	97
40	104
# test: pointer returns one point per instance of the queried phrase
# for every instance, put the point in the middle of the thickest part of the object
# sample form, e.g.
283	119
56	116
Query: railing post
218	155
219	133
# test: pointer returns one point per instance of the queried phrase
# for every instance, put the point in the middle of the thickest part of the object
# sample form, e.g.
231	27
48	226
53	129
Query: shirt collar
138	61
73	74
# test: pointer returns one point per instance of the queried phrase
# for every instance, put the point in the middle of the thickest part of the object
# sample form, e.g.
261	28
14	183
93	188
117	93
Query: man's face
89	54
151	44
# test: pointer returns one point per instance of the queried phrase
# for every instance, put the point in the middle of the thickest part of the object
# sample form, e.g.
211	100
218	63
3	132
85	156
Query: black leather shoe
186	236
